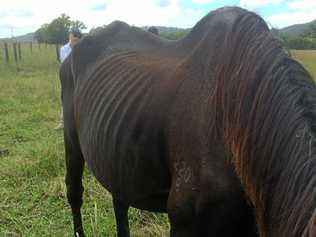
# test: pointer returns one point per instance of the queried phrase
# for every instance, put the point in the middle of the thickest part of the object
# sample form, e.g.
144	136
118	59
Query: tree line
57	31
306	40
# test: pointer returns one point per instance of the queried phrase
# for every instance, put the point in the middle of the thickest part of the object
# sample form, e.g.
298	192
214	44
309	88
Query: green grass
307	58
32	190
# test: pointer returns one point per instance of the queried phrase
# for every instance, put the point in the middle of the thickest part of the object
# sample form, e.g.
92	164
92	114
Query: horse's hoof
79	234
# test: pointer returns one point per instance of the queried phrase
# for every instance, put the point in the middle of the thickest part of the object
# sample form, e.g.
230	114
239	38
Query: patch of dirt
4	152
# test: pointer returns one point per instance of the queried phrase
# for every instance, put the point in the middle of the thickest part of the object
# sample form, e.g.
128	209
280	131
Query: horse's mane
266	105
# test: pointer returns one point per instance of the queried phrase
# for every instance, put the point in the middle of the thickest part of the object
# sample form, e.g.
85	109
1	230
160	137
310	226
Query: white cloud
188	18
290	18
302	5
96	12
143	12
40	12
30	15
291	12
254	4
301	11
202	1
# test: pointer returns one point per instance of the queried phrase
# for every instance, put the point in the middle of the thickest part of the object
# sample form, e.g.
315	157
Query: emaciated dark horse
207	128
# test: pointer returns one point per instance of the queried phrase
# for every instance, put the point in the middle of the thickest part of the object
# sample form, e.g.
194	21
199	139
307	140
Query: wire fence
14	52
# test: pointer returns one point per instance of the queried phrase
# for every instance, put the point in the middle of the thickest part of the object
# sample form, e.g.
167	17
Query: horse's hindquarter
121	110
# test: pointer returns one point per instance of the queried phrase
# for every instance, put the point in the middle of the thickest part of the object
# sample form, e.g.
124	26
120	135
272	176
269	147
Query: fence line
17	49
15	54
57	52
6	52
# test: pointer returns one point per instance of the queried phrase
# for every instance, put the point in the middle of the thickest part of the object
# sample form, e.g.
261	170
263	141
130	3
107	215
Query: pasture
32	191
307	58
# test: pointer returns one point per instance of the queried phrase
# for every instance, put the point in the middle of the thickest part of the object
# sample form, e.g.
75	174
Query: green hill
297	30
29	37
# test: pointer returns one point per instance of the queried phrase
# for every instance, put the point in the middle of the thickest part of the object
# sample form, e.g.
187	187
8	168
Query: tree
299	43
41	35
311	31
176	34
78	25
57	31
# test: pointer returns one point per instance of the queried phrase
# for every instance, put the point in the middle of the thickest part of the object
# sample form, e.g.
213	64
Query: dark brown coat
174	126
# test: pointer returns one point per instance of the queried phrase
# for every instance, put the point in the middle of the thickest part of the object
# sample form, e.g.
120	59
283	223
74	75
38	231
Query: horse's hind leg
74	171
121	216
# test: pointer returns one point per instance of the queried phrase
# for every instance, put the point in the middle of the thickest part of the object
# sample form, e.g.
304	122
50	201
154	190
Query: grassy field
32	191
307	58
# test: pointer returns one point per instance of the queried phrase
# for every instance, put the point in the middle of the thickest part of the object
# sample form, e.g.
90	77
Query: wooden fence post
31	47
6	52
15	53
57	52
20	51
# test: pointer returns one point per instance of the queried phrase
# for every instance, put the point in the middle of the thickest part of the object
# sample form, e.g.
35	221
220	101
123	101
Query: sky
18	17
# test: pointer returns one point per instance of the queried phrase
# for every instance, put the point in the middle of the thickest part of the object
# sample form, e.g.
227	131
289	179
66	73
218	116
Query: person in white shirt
64	52
74	37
